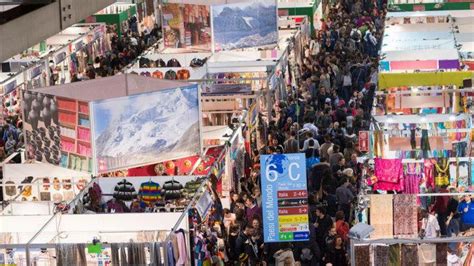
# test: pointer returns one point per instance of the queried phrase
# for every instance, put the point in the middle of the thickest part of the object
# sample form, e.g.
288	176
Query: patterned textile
429	173
394	255
381	255
405	215
388	170
362	255
427	254
412	178
441	254
409	255
381	218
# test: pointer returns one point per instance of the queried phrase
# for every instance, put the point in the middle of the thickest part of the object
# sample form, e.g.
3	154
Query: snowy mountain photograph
247	24
146	128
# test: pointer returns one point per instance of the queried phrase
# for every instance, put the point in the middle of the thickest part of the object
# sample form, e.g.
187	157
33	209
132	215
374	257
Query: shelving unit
74	121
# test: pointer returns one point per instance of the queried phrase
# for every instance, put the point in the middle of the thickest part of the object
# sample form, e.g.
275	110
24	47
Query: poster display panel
187	27
247	24
57	131
146	128
284	198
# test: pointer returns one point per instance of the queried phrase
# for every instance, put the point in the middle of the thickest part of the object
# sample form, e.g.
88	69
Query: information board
284	197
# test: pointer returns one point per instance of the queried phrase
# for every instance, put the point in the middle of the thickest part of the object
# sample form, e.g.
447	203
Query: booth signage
285	198
364	141
35	72
9	87
227	89
59	57
204	204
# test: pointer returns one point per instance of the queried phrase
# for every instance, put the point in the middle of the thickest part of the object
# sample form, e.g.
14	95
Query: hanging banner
364	141
284	198
204	204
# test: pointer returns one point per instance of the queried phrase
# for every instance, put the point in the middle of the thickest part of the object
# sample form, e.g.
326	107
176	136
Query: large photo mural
247	24
146	128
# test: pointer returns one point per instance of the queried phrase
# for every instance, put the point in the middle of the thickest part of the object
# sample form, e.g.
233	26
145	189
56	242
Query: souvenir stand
66	133
117	14
172	66
35	188
66	53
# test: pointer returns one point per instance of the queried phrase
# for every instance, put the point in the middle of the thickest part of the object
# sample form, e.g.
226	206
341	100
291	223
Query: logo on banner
284	198
364	141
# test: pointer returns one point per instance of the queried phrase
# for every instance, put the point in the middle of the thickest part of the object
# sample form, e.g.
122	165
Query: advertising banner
284	198
146	128
187	27
248	24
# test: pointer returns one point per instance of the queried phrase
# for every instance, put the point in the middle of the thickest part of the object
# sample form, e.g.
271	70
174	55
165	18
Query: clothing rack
388	241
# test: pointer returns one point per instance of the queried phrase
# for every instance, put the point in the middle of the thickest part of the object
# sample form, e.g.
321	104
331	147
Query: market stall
95	242
121	15
96	126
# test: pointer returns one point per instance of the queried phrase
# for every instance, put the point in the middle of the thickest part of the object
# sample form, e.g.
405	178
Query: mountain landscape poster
146	128
248	24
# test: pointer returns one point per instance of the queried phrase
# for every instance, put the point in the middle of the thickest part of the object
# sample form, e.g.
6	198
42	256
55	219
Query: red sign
292	194
291	211
364	141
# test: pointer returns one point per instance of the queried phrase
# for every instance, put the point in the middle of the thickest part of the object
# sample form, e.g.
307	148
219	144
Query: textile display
388	173
71	254
409	255
381	254
362	255
427	254
404	215
381	218
441	254
412	178
394	255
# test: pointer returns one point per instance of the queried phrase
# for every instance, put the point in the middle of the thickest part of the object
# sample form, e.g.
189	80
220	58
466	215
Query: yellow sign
290	219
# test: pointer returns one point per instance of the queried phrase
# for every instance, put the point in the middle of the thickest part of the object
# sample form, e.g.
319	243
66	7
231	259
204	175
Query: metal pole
352	250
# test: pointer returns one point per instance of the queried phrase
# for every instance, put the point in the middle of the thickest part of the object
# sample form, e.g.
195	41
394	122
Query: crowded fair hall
237	133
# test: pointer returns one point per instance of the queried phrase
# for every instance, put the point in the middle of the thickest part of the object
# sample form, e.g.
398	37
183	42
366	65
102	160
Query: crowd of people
321	117
124	50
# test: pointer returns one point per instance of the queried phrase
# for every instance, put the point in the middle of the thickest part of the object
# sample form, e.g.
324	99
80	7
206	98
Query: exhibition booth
36	188
118	14
51	62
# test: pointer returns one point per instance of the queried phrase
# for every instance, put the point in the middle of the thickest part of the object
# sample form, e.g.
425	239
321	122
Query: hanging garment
381	255
125	191
157	74
114	250
171	75
71	254
183	74
409	255
412	178
150	192
123	256
378	143
394	255
388	173
405	213
463	176
441	254
362	255
381	218
425	143
413	138
427	255
183	254
442	176
428	169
